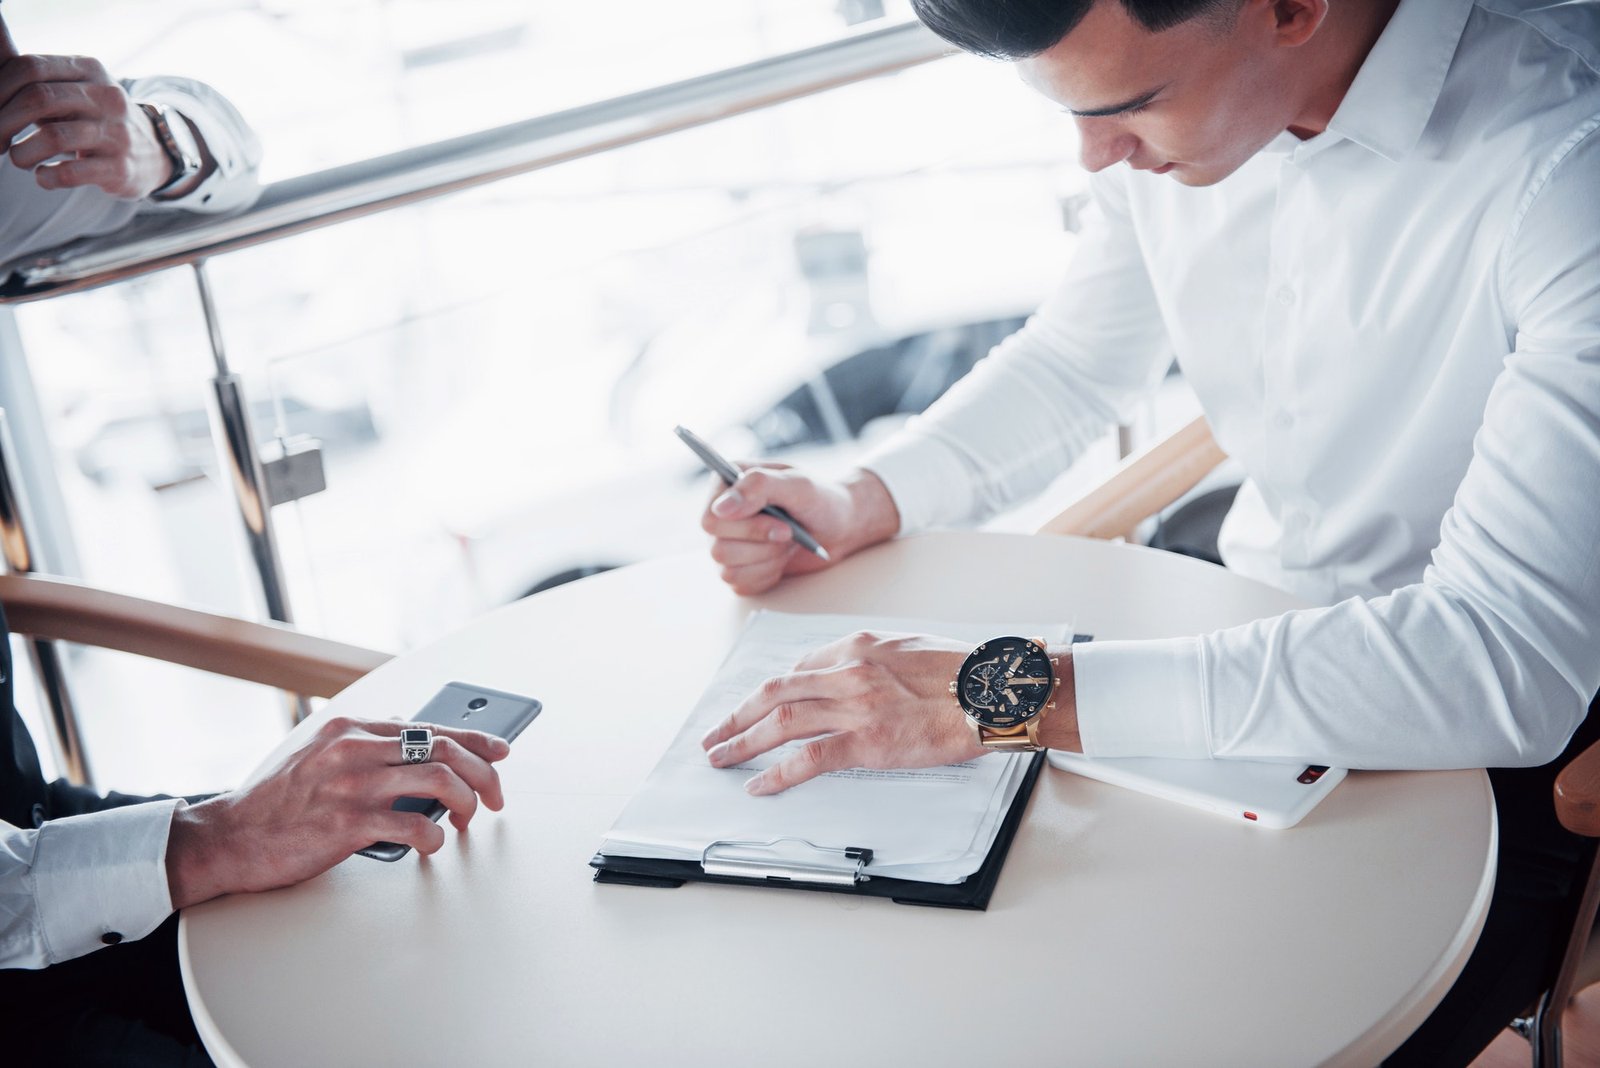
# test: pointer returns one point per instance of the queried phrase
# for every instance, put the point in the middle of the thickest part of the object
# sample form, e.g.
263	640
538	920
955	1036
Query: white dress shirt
69	885
32	218
78	883
1394	327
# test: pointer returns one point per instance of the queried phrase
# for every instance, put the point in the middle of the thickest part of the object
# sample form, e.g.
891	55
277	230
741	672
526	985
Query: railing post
46	656
241	462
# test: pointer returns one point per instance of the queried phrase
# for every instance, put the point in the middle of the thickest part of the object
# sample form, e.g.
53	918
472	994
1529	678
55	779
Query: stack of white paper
932	825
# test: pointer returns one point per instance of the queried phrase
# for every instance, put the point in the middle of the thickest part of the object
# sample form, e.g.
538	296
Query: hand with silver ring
335	794
416	745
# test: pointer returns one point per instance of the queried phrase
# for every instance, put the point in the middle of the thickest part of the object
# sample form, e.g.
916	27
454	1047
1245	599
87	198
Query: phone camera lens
477	702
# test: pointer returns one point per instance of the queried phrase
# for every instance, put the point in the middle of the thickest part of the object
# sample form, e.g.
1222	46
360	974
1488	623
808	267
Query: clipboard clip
789	859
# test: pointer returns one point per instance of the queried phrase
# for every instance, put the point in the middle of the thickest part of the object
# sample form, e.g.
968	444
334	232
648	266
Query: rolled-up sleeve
79	883
234	185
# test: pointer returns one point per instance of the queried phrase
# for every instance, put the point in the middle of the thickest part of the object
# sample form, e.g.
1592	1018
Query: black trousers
121	1006
1540	869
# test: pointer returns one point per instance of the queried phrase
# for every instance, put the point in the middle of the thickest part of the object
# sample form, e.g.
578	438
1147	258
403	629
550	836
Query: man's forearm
196	849
877	518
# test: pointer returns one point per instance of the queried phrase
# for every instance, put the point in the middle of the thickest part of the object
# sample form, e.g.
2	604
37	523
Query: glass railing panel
494	375
151	727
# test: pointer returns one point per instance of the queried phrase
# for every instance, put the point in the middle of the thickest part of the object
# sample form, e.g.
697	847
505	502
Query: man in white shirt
1371	234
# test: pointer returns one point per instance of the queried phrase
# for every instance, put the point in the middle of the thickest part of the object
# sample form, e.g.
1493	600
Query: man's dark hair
1017	29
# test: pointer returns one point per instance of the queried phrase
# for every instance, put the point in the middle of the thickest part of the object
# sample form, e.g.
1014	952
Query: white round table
1124	931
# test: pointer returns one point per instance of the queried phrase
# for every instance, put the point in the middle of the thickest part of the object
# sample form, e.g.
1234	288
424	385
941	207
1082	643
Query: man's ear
1295	21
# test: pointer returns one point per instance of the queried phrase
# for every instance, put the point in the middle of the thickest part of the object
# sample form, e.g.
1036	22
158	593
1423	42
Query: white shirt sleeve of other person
32	217
81	882
1394	326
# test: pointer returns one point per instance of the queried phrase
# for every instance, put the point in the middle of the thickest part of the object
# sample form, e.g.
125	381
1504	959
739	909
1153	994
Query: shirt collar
1388	105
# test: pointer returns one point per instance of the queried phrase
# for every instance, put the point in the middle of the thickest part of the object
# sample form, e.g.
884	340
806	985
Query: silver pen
730	474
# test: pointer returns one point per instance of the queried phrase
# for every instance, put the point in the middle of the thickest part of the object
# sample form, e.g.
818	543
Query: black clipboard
971	893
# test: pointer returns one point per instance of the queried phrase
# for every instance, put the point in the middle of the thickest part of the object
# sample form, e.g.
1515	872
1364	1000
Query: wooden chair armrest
265	653
1577	793
1143	486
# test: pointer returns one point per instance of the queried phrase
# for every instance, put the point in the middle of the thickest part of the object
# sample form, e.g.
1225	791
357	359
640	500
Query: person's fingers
473	769
469	753
406	828
23	70
792	688
746	497
79	137
757	528
787	722
433	779
815	758
53	101
737	554
488	746
108	172
757	578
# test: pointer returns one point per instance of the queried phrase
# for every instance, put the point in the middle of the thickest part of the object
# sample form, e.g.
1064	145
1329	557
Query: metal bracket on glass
293	468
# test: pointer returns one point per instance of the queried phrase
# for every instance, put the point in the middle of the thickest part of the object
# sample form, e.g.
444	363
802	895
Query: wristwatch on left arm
1006	687
179	143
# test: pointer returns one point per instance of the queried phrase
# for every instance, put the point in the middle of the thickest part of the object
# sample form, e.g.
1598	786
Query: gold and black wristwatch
1006	687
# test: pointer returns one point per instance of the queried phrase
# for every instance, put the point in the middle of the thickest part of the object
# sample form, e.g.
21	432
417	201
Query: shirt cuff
1141	698
102	878
929	483
233	185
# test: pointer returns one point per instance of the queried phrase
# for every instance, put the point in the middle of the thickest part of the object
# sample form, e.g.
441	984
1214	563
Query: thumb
8	47
759	487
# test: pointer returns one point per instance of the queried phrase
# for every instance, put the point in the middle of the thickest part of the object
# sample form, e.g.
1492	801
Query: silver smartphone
460	704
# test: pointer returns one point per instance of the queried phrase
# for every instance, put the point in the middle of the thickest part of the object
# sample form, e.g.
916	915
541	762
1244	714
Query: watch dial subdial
1006	682
984	685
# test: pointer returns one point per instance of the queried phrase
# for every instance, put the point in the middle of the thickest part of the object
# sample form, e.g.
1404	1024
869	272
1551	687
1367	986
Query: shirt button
38	815
1285	296
1283	421
111	938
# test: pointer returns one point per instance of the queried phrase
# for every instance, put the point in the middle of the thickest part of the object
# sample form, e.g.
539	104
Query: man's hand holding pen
756	550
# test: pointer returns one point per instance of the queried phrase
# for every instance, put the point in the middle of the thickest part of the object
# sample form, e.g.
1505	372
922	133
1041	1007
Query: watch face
1005	682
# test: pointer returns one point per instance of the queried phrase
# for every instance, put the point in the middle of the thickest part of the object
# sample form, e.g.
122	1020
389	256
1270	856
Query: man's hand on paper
877	701
756	550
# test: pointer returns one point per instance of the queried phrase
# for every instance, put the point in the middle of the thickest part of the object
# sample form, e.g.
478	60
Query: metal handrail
155	242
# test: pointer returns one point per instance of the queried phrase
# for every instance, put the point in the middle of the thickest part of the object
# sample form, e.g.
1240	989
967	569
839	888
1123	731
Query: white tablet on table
1269	795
